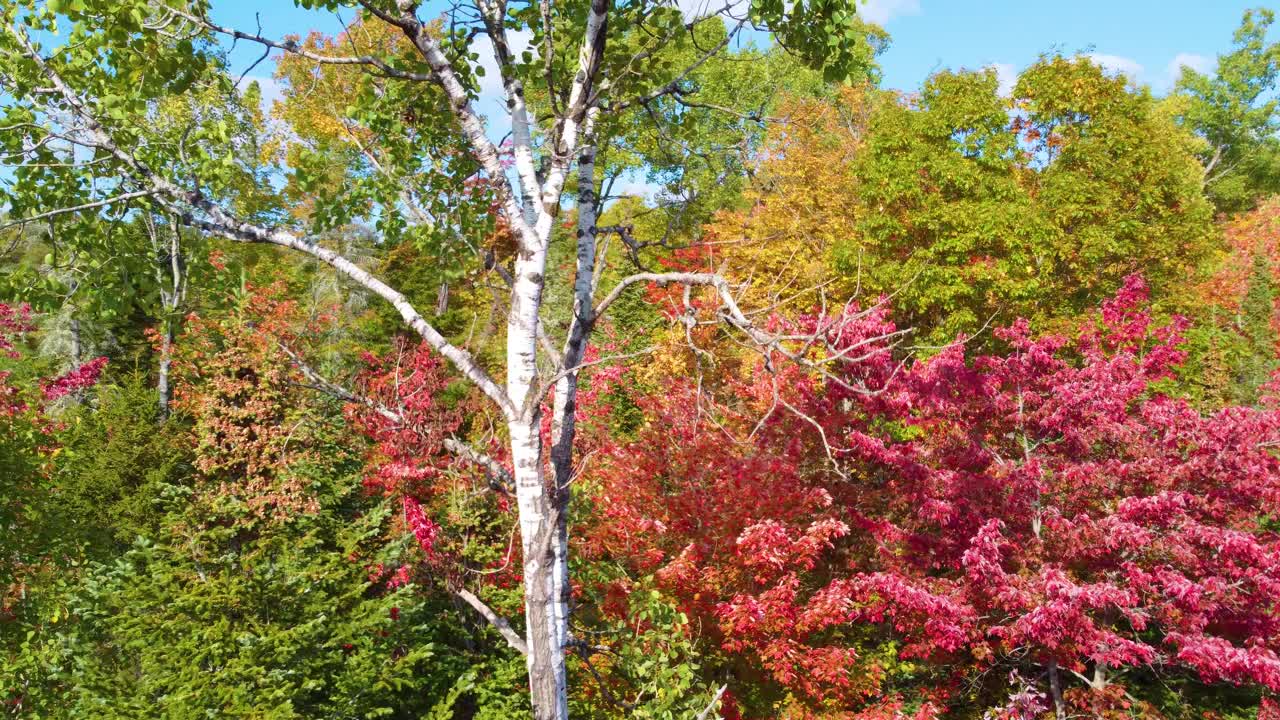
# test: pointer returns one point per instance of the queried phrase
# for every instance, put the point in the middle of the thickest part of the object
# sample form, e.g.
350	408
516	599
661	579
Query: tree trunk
170	273
442	299
1055	689
564	430
163	390
542	537
76	349
544	545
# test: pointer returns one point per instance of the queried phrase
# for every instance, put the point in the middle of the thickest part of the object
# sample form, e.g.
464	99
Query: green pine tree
1257	314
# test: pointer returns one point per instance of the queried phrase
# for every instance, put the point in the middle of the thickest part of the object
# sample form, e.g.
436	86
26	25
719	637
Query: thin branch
79	208
550	385
323	385
501	625
499	476
674	85
293	48
660	279
756	116
763	342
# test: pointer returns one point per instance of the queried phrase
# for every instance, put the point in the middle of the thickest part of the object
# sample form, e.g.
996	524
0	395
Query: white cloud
1118	64
1199	63
1007	76
491	83
882	11
1134	70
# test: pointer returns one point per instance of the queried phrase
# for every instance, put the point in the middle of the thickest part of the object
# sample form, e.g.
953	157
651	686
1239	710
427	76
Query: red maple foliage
28	444
408	435
409	449
408	413
15	324
74	380
1039	509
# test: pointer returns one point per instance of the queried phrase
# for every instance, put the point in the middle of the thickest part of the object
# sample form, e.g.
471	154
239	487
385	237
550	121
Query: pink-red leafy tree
408	459
457	509
239	390
865	532
30	526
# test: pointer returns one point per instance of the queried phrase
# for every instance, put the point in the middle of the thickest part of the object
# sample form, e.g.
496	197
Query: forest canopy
626	359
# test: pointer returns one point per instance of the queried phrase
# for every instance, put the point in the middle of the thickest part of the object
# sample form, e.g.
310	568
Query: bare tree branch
79	208
482	148
492	11
670	278
501	625
564	139
499	476
764	342
327	387
711	706
293	48
222	223
674	85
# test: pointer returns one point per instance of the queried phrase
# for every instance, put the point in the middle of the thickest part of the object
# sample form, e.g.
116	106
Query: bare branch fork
766	342
530	202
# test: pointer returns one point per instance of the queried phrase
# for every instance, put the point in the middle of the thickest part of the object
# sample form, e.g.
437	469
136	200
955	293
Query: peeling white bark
517	109
565	137
530	205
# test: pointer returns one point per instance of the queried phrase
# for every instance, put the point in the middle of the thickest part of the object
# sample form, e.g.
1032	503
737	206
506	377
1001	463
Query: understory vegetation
953	403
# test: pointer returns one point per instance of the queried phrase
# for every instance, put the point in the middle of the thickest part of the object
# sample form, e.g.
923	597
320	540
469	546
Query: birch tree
81	78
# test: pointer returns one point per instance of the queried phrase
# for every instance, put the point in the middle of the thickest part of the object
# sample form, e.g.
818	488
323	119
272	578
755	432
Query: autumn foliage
236	385
1041	508
28	444
496	368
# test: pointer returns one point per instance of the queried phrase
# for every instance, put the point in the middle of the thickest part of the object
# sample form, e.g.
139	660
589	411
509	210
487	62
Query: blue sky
1144	38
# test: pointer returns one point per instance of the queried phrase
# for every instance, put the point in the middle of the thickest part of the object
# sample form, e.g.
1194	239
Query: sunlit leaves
1233	110
1041	504
827	34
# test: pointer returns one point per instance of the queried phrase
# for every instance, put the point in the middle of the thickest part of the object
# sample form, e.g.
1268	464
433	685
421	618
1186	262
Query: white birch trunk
531	211
545	575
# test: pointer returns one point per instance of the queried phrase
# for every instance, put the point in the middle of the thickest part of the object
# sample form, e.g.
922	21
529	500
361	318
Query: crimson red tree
31	527
1045	512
